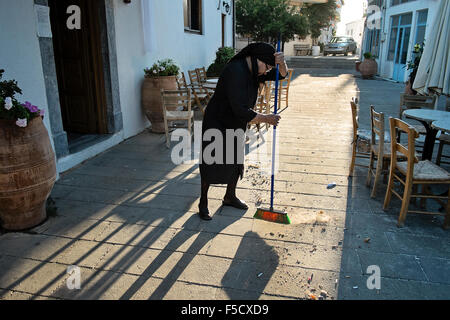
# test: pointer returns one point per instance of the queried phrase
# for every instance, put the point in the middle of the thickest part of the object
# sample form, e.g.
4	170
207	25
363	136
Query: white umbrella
434	67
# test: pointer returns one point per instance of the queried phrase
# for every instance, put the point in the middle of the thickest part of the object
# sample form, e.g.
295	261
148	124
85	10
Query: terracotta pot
27	174
357	63
151	99
368	68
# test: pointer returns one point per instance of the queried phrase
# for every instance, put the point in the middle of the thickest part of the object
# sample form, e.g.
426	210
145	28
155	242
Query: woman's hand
279	59
272	119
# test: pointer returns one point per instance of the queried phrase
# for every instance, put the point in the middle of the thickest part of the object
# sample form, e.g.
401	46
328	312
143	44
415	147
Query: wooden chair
201	95
444	139
415	172
263	102
283	89
176	107
355	153
201	73
378	150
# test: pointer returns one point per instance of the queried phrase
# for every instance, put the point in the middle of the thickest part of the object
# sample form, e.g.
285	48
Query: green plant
368	55
11	109
414	64
265	20
223	55
162	68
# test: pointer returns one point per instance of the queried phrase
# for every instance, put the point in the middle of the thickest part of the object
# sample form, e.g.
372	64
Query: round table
443	124
426	117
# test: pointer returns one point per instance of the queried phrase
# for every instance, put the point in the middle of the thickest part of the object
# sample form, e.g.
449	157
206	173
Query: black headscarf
259	50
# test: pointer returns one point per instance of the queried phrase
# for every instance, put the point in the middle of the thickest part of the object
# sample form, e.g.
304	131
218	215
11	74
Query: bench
302	48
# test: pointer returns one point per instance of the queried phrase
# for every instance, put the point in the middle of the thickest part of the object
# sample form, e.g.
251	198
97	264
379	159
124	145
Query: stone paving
127	219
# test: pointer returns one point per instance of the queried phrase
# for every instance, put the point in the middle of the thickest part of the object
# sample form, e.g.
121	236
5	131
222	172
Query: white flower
155	72
163	69
8	103
21	123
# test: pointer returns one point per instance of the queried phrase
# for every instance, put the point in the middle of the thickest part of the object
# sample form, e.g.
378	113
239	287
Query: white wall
387	67
188	50
20	54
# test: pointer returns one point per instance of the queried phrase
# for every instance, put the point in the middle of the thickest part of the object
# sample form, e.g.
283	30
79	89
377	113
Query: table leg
428	145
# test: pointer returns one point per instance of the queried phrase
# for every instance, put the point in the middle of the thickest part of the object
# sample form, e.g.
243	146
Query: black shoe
236	203
204	213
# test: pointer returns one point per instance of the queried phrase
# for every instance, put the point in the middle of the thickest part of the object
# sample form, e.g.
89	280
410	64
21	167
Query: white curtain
148	24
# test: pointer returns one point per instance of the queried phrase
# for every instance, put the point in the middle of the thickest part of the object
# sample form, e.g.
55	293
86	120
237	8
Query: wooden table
426	117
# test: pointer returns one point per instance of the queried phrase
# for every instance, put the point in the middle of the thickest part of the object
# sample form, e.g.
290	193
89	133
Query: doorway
400	35
79	69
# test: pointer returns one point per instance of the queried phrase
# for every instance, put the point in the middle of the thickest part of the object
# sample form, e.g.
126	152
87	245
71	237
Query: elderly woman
231	108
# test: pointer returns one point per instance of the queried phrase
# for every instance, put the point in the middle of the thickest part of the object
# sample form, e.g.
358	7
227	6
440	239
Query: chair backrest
354	107
194	77
287	81
181	81
201	72
415	102
173	100
377	125
407	150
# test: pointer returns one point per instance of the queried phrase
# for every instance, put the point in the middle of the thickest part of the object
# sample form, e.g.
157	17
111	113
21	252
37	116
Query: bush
368	55
162	68
223	55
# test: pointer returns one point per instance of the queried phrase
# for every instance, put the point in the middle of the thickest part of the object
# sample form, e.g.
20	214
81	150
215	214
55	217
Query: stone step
322	62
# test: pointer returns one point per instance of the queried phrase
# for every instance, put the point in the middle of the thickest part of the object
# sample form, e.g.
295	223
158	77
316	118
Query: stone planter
368	68
151	99
27	174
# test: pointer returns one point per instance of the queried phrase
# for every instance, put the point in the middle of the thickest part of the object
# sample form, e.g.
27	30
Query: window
192	10
373	42
396	2
421	26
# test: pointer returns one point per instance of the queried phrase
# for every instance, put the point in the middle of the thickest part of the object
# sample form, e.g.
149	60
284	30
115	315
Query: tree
263	20
319	17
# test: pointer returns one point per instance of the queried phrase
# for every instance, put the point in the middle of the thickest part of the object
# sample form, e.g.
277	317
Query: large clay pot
368	68
27	174
151	99
357	64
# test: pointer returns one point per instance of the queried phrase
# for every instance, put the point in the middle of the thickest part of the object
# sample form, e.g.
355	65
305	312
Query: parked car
342	45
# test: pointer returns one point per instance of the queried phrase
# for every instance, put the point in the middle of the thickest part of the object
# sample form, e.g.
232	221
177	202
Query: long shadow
158	216
255	262
129	258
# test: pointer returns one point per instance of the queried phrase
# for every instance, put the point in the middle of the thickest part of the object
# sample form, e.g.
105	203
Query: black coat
231	107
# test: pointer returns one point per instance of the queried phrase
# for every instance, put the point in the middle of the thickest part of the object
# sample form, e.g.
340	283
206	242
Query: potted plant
27	161
414	66
369	67
223	55
162	75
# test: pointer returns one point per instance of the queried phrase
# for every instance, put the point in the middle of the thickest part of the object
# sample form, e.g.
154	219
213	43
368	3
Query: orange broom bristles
272	216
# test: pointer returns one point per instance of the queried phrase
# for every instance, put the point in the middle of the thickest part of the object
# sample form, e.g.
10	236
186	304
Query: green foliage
8	88
162	68
263	20
320	16
17	110
368	55
223	55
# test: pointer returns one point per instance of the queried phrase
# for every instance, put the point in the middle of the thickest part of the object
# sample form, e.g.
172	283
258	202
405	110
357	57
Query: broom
264	213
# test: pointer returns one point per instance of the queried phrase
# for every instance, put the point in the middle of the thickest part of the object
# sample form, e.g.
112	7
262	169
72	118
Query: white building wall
188	50
387	67
20	53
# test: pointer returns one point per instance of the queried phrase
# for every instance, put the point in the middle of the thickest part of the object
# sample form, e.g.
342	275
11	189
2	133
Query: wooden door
79	67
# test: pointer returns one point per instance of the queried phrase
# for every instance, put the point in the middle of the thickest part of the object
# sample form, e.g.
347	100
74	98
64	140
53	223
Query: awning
433	73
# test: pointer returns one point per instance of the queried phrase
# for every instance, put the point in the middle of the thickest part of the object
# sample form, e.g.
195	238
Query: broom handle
274	130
